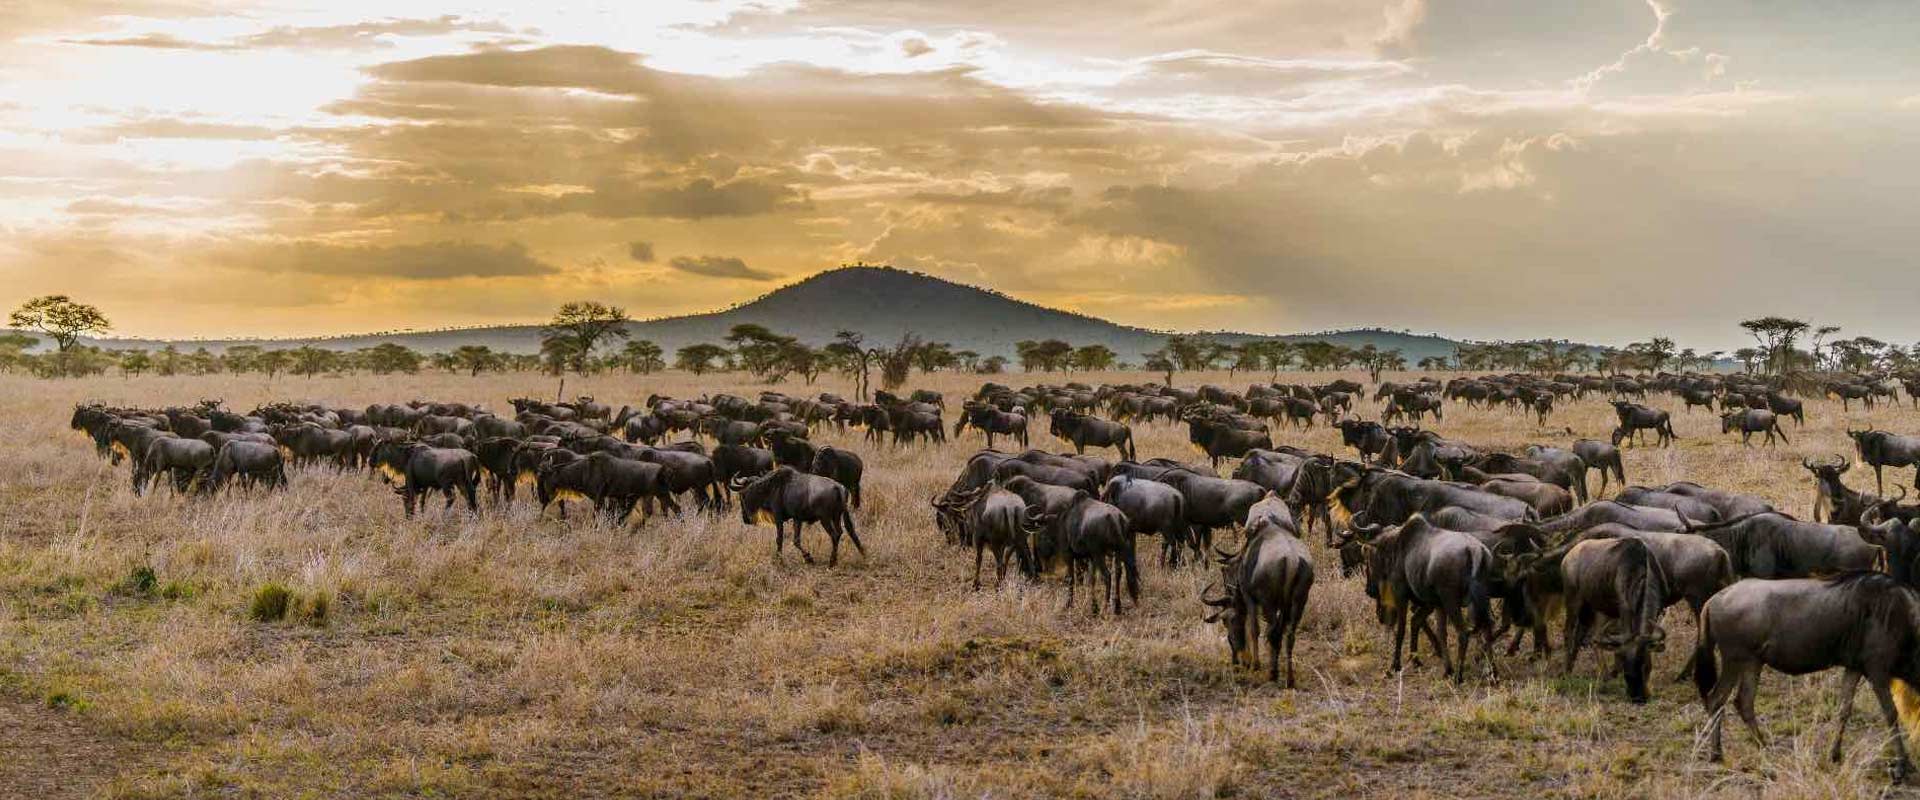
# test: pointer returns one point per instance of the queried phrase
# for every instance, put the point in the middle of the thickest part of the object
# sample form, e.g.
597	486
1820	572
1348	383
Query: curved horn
1807	462
1221	602
738	482
1903	495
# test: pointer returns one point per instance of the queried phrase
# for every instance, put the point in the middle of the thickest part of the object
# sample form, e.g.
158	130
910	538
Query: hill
881	302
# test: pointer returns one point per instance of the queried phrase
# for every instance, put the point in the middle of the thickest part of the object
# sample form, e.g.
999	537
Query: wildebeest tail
1705	672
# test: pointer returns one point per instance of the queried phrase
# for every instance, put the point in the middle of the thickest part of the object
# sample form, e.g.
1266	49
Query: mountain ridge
882	303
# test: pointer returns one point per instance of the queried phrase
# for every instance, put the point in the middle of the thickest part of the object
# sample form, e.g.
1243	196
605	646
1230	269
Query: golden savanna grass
314	643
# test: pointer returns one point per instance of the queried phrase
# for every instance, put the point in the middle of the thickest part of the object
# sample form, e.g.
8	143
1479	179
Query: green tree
310	361
701	358
1093	358
992	365
759	350
135	362
1776	337
644	357
202	362
389	357
577	328
13	350
475	358
62	320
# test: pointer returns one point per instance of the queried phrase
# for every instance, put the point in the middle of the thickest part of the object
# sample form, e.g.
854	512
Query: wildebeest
1083	431
420	470
1750	422
1155	508
1833	502
1863	622
989	518
188	462
254	463
1774	545
1368	437
1213	502
1635	418
992	422
1266	582
1416	569
1880	449
1620	579
1093	537
786	494
1601	456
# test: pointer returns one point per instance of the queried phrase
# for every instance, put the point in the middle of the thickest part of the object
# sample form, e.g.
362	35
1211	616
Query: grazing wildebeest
1152	507
1750	422
1093	537
253	462
786	494
1880	449
1635	418
989	518
1417	568
1620	579
1083	431
1863	622
1267	581
420	470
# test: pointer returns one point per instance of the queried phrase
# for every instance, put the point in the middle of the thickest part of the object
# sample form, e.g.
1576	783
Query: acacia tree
1093	358
644	357
62	320
699	358
849	352
474	358
1776	336
577	328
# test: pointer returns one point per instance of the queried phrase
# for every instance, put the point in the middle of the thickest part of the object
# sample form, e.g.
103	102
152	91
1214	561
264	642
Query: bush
270	603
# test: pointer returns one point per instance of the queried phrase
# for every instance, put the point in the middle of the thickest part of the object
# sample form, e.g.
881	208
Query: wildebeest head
390	459
756	494
1229	612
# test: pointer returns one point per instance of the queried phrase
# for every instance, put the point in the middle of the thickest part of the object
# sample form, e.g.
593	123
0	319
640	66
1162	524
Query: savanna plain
513	654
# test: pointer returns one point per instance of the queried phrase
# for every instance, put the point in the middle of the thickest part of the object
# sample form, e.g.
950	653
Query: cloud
172	128
719	267
641	252
155	41
406	262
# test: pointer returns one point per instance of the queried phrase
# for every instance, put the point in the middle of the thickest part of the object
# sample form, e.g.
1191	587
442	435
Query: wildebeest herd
1459	544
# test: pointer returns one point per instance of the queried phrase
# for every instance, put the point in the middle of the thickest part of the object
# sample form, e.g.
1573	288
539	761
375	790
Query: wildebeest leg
779	542
1276	635
1716	706
471	488
1686	670
979	554
1072	565
1849	684
1901	765
1399	637
798	526
1749	687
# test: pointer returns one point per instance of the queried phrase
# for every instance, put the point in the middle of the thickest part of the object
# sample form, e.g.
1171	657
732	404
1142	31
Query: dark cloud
641	252
719	267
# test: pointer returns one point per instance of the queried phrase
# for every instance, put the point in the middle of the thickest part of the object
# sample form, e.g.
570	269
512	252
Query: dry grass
513	655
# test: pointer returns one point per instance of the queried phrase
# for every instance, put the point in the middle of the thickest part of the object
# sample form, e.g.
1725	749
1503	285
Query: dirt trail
46	753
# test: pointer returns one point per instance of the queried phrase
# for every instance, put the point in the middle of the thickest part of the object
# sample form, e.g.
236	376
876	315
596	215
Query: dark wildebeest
1620	579
1267	581
1863	622
1692	508
1212	502
1366	436
1152	507
1787	407
1219	440
1601	456
253	462
618	485
1750	422
1833	502
1880	449
786	494
1083	431
1093	537
738	460
1416	569
420	470
992	422
1774	545
790	450
989	518
1045	473
187	461
843	466
1635	418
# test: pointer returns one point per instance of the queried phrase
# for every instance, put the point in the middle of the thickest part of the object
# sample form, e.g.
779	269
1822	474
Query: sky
1587	169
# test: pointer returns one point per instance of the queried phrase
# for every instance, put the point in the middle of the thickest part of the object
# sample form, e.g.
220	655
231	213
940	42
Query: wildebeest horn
1221	602
1903	495
1807	462
738	482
